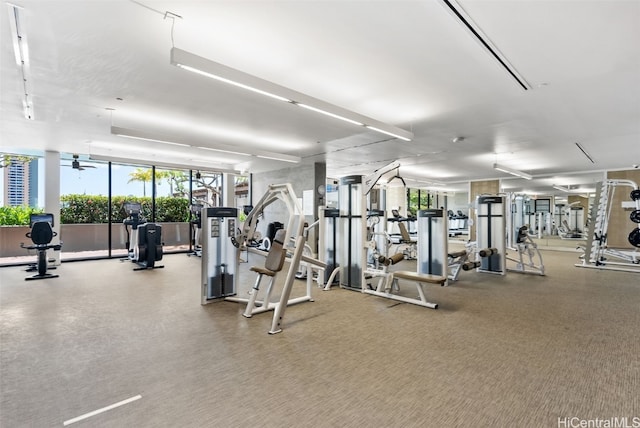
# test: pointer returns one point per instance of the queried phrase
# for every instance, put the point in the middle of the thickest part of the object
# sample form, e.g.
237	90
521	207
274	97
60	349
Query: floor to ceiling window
93	200
21	190
84	201
172	208
130	184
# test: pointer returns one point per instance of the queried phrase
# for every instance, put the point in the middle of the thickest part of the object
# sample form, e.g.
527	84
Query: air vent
459	13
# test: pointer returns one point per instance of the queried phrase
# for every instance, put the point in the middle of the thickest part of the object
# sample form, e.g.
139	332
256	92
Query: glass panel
207	188
418	199
130	184
172	208
21	181
84	203
242	193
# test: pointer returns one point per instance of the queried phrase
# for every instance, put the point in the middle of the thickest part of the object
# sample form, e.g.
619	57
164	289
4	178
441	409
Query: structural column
52	197
228	190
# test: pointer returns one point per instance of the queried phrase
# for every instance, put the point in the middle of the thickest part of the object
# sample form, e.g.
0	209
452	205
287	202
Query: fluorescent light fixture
130	157
355	122
426	181
512	171
564	189
205	67
147	136
18	36
373	128
234	83
223	151
283	158
21	52
140	135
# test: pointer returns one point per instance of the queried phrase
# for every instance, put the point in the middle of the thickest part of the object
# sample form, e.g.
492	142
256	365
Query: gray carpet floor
501	351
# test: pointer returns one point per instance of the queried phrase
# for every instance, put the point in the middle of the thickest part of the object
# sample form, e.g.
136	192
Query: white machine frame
294	243
596	248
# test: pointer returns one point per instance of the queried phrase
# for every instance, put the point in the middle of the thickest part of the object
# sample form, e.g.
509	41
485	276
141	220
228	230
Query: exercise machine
144	242
431	267
388	285
219	255
272	228
274	262
351	253
597	253
529	258
196	229
41	234
293	242
490	234
572	222
458	223
434	257
349	248
433	242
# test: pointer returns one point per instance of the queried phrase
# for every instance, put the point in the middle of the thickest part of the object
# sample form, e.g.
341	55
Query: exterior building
20	183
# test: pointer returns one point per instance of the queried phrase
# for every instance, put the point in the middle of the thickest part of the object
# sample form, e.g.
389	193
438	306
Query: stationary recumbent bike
41	235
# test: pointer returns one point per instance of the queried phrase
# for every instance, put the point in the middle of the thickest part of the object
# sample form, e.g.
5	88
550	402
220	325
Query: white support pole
228	190
52	198
278	314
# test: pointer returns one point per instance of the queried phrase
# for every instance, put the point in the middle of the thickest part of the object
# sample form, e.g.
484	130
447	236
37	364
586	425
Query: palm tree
141	174
7	159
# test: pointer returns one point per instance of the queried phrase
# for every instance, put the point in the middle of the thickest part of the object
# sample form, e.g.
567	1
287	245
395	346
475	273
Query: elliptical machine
196	229
144	243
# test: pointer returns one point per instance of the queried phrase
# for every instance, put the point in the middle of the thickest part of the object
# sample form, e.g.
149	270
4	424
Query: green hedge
94	209
16	216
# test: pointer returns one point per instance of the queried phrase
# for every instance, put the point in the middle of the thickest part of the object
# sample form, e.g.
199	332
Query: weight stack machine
490	234
432	242
351	232
329	219
219	256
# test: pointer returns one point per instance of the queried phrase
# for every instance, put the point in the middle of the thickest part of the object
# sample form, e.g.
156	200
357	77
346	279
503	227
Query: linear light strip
278	158
512	171
231	82
564	189
317	110
128	157
21	52
426	181
155	140
205	67
584	152
373	128
222	151
461	15
146	136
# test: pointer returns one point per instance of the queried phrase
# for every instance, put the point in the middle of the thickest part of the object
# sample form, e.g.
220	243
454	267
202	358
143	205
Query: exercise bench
419	278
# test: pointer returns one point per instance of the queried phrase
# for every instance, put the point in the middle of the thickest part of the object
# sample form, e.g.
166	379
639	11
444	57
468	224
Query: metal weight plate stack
634	216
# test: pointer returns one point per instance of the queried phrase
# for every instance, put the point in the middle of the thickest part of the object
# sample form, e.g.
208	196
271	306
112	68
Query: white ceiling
406	63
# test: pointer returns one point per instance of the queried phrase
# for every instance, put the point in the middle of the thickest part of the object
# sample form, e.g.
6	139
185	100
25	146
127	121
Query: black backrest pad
41	233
